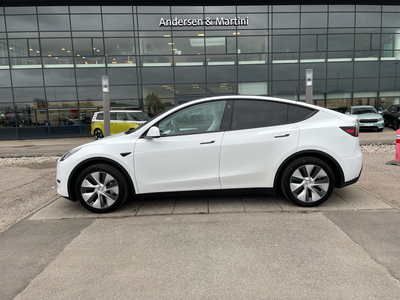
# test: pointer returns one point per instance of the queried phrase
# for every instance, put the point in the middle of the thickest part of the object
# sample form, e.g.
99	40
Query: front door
186	156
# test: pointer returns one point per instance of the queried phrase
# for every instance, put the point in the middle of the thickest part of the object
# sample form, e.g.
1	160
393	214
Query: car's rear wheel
396	125
307	181
98	134
101	188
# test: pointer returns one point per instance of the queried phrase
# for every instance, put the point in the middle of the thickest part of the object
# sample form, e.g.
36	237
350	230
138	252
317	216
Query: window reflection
54	23
222	88
117	22
158	91
22	23
29	95
119	46
86	22
56	47
60	93
190	89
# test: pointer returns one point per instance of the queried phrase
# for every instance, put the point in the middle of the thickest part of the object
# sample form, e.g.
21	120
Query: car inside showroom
157	56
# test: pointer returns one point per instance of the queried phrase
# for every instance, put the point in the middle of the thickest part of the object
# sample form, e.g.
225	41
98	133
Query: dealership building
52	58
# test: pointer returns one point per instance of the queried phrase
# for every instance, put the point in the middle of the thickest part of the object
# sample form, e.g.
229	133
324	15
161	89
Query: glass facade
52	59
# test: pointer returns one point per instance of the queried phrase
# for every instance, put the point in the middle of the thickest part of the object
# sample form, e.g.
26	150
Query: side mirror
347	113
153	132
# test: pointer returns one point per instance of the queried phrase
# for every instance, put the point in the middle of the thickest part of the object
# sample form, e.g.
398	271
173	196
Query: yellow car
120	120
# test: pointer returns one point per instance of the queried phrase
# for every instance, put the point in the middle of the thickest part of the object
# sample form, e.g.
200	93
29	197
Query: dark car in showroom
392	116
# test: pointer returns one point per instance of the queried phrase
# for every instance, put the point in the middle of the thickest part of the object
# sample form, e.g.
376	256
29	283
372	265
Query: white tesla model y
219	144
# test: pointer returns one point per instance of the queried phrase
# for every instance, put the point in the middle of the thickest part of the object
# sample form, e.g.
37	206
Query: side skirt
249	191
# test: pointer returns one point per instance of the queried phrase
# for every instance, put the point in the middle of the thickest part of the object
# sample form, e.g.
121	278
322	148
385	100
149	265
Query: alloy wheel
309	183
99	190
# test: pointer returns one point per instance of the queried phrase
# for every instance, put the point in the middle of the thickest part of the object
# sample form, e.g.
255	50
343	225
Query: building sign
238	21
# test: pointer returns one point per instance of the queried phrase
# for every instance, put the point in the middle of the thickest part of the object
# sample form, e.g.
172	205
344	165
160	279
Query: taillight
352	130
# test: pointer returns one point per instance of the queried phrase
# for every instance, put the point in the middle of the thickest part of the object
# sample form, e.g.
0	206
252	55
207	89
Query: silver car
367	116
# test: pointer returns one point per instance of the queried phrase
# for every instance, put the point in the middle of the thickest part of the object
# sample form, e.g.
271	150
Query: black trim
347	183
268	191
227	117
99	160
125	154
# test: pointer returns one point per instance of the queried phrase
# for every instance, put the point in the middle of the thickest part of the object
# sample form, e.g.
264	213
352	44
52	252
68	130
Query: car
392	116
120	120
368	117
225	144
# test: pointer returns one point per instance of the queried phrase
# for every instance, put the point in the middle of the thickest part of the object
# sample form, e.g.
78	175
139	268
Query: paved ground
234	247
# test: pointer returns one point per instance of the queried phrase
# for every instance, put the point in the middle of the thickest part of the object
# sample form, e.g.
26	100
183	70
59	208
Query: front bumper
377	125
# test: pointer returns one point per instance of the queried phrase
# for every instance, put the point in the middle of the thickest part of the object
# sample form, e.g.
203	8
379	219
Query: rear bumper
347	183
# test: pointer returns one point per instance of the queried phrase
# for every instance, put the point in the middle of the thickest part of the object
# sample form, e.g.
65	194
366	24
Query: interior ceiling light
30	49
175	49
37	51
83	57
167	35
56	57
201	34
215	41
98	50
10	48
63	49
171	43
77	55
49	55
68	51
235	33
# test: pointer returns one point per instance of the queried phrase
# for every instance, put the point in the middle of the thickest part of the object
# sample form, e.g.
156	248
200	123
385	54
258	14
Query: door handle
210	142
281	136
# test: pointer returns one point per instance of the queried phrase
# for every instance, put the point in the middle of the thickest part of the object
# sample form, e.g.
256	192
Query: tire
98	134
307	181
101	188
396	125
379	129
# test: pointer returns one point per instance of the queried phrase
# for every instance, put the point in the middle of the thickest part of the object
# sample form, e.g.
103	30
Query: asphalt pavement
232	247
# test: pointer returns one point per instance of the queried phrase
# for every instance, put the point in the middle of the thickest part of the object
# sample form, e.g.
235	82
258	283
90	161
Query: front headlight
69	153
380	119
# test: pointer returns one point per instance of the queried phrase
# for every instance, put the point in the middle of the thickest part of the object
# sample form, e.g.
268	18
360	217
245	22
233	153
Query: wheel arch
333	164
96	160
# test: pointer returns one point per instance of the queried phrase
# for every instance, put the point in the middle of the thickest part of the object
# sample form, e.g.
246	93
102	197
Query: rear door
260	139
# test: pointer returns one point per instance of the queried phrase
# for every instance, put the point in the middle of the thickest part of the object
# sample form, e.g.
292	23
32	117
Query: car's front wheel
307	181
98	134
101	188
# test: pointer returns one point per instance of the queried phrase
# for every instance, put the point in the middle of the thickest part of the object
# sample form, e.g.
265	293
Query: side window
200	118
255	114
113	116
99	117
121	116
298	113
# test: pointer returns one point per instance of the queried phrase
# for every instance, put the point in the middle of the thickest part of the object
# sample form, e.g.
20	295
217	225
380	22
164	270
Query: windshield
363	110
139	116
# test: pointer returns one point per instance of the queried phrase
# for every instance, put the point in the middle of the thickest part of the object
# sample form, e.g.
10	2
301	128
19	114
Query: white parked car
229	144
